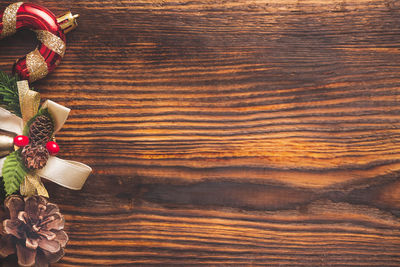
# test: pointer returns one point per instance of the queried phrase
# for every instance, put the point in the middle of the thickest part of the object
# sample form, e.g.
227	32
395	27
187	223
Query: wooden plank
229	133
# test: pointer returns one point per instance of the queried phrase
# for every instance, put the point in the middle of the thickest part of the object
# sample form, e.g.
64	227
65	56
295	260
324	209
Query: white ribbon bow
67	173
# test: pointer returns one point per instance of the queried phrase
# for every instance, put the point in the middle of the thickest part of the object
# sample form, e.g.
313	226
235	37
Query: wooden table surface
229	132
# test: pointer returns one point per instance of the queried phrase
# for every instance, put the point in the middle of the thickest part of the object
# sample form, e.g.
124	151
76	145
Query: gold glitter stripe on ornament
10	19
51	41
37	66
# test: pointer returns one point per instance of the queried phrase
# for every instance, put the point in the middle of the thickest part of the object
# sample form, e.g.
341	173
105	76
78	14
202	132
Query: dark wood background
229	132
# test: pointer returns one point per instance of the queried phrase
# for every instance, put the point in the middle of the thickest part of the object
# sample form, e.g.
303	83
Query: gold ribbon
32	185
29	102
10	20
36	65
53	42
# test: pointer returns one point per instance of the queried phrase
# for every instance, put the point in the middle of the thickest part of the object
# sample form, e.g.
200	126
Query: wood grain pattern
230	132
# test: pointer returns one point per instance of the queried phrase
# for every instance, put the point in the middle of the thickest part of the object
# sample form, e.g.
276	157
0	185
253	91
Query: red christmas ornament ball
52	147
21	140
50	32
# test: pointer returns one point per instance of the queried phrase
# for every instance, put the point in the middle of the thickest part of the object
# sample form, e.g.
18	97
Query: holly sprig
14	169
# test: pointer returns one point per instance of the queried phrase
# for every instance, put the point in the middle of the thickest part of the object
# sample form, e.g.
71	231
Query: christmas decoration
41	125
34	227
34	230
23	168
21	140
50	32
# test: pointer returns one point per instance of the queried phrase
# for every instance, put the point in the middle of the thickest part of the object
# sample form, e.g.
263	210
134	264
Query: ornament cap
68	22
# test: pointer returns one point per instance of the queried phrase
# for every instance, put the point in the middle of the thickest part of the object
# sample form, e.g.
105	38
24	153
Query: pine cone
34	230
35	156
41	129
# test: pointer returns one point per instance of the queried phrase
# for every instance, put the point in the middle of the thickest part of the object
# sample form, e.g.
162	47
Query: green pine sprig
9	93
13	172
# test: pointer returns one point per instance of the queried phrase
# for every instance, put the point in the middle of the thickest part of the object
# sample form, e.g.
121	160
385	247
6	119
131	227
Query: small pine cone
35	156
41	129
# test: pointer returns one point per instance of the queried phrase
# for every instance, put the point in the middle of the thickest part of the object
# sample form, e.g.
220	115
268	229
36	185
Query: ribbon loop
10	122
67	173
58	112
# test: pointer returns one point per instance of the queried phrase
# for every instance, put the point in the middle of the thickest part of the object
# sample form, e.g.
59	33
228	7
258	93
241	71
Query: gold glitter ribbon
28	100
52	41
37	66
10	20
32	185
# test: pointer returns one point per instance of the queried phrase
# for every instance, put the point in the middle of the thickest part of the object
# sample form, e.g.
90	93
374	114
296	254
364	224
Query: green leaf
13	172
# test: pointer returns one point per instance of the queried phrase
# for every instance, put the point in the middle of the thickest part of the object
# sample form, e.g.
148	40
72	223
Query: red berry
21	140
52	147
